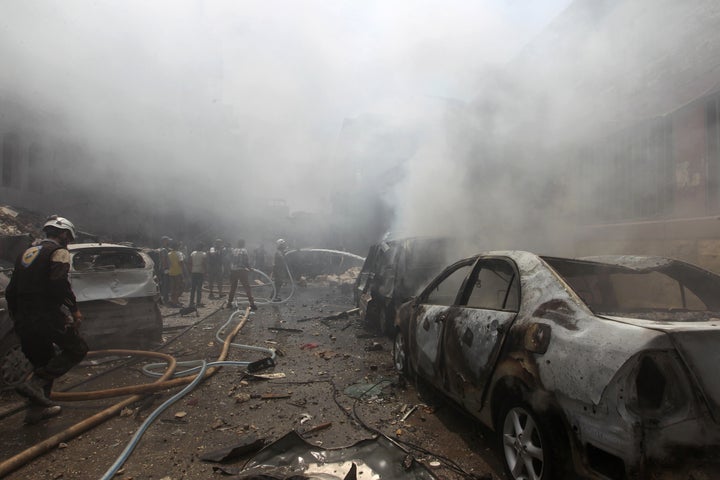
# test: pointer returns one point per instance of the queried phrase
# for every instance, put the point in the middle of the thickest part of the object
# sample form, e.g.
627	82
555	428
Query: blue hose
199	366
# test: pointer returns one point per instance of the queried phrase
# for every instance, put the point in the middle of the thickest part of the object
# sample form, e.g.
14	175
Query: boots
37	390
37	413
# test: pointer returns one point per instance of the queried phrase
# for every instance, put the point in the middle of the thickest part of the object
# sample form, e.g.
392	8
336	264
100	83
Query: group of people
178	270
47	319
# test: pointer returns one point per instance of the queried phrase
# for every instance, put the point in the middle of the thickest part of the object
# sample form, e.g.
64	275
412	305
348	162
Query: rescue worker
239	271
45	315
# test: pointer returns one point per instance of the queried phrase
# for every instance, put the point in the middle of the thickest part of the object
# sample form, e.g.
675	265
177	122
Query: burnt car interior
667	288
105	259
495	287
445	290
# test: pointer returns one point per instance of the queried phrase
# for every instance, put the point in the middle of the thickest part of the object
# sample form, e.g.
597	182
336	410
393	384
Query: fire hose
164	382
272	300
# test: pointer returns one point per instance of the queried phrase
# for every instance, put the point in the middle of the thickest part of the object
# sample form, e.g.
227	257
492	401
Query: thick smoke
216	106
573	131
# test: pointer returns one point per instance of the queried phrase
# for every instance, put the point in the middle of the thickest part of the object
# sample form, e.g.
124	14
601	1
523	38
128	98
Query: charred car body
608	362
394	271
116	292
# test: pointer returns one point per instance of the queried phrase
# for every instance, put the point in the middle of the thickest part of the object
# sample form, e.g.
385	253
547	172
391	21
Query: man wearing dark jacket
45	314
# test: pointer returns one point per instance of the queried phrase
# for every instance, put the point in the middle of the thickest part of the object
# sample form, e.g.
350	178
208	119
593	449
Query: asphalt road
323	367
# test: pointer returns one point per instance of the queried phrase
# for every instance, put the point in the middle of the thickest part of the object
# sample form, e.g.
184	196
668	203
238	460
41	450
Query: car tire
14	366
400	355
526	443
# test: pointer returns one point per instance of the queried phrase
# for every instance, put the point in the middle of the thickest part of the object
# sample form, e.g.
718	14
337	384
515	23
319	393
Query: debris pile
15	221
343	281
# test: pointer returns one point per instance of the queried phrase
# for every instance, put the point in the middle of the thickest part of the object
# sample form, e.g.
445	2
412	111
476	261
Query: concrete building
615	107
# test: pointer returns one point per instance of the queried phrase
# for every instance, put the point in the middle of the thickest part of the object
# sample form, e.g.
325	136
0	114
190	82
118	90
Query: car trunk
697	343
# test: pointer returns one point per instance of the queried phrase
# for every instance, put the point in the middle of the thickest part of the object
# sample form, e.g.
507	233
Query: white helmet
281	244
60	223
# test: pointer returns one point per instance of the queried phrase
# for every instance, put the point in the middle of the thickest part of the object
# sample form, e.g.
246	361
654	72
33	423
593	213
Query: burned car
604	367
117	293
395	270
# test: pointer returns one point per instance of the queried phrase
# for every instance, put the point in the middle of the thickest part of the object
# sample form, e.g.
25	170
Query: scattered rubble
18	221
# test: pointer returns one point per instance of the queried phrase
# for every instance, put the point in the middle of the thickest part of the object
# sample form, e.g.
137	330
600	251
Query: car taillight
658	385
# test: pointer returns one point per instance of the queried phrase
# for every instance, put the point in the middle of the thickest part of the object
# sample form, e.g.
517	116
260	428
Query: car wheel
526	444
400	360
14	366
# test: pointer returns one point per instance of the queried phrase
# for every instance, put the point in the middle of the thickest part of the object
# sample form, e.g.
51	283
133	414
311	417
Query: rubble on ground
341	281
17	221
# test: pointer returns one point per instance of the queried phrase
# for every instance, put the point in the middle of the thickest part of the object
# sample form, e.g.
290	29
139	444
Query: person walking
175	273
46	317
198	269
164	269
214	265
240	271
279	270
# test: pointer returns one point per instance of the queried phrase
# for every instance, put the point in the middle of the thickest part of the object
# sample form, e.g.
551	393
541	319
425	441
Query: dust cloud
214	107
572	131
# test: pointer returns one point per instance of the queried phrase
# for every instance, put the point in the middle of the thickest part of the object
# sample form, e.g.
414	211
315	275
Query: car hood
697	343
115	284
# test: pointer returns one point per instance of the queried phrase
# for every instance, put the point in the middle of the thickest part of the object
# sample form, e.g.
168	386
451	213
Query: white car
117	293
603	367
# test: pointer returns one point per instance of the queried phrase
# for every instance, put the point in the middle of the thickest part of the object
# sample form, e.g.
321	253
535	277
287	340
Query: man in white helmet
46	316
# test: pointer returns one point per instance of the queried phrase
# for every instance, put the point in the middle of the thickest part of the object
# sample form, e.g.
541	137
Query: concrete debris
15	221
242	397
292	456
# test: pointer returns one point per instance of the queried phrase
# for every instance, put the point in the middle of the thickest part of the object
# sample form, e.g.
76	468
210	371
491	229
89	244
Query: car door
474	334
431	310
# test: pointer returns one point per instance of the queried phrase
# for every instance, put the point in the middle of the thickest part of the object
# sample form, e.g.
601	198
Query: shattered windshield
667	291
106	259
